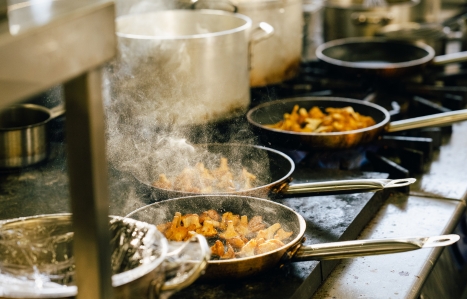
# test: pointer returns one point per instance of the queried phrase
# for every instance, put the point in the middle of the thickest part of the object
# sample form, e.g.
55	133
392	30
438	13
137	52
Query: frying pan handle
438	119
349	249
362	185
450	58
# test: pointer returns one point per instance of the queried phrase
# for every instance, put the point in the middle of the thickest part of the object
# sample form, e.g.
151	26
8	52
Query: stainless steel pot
36	259
352	18
312	28
432	34
285	16
276	59
183	67
24	134
427	11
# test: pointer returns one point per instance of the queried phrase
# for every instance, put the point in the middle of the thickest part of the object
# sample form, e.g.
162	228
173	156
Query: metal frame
68	48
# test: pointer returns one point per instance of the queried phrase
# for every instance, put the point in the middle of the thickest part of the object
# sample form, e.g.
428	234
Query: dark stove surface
43	189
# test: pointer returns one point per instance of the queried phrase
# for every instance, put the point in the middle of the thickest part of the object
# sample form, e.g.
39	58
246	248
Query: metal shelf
52	44
64	42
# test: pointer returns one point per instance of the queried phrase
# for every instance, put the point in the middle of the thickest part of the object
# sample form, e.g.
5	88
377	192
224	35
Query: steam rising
159	100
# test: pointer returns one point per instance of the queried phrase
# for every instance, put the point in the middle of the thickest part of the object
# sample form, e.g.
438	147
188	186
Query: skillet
382	57
272	168
272	112
272	212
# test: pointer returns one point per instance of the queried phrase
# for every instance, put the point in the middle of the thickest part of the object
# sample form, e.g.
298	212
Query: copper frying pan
272	112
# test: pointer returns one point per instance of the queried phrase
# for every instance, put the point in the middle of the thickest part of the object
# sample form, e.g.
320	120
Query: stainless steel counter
433	207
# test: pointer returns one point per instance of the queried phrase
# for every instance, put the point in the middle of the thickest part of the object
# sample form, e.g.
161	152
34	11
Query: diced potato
315	121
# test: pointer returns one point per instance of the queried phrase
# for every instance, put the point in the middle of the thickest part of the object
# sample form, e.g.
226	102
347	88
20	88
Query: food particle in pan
316	121
232	235
199	179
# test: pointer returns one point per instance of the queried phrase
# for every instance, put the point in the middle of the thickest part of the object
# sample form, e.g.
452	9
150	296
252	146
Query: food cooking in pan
233	236
200	179
317	121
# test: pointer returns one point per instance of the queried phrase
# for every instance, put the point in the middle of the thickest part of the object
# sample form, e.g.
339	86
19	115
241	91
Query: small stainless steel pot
24	134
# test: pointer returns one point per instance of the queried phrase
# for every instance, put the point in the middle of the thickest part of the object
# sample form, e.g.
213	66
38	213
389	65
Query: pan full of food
239	169
332	122
382	57
249	235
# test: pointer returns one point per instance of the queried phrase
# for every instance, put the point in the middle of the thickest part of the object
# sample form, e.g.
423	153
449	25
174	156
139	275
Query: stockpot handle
261	32
361	185
349	249
57	111
168	287
233	7
371	18
438	119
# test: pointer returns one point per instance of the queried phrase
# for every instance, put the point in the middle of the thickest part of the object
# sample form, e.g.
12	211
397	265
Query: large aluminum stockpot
36	259
183	67
278	58
355	18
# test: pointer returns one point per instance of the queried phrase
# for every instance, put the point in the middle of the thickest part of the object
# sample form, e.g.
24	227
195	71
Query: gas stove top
44	188
396	155
420	153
